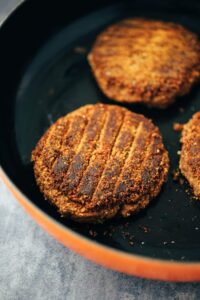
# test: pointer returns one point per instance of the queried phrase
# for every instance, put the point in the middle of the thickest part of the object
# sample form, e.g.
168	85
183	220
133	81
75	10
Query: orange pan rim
132	264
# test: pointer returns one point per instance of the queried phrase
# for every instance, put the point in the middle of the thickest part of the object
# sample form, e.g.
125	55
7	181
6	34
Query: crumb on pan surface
100	161
145	61
190	153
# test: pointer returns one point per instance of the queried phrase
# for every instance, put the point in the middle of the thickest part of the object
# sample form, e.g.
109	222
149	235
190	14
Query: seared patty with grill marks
100	161
146	61
190	153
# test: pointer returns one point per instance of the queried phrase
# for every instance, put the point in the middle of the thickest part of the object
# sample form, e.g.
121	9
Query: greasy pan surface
45	74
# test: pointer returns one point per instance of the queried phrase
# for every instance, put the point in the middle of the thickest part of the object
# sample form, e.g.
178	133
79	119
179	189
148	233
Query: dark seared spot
121	188
61	165
87	189
78	164
146	176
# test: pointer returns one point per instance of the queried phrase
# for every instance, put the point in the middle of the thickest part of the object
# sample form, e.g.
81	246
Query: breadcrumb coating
146	61
100	161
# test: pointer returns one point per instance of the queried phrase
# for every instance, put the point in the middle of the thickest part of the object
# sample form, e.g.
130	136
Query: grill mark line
46	145
128	155
146	155
66	130
98	139
76	149
110	155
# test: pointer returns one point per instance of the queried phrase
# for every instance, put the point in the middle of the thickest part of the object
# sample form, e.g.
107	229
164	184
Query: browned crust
100	161
146	61
190	153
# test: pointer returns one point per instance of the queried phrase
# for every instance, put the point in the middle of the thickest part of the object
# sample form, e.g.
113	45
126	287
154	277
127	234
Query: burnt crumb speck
145	229
80	50
131	240
195	197
105	233
128	237
177	126
131	237
131	243
176	175
121	229
187	191
92	233
125	234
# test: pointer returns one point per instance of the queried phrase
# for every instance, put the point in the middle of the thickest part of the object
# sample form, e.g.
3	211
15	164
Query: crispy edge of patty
165	91
77	210
190	153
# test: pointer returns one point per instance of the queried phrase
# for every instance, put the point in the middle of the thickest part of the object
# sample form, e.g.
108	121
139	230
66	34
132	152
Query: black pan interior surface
45	74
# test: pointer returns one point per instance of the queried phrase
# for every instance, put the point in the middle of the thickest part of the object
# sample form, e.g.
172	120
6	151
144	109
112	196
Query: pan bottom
58	80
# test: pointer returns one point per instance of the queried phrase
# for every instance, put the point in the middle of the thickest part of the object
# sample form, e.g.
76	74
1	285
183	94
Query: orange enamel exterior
113	259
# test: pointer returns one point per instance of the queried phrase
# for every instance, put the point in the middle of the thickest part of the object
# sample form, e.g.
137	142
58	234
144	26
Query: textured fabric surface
34	266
